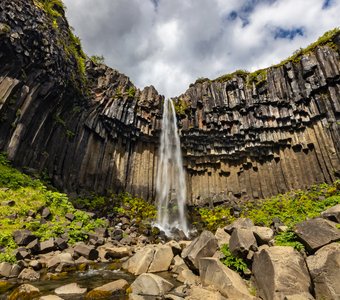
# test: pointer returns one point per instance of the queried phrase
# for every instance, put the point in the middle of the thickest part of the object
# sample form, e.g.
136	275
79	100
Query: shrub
235	263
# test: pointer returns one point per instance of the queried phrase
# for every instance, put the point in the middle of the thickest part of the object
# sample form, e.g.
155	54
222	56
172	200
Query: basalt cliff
86	126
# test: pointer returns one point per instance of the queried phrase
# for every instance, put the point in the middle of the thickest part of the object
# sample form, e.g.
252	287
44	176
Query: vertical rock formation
88	127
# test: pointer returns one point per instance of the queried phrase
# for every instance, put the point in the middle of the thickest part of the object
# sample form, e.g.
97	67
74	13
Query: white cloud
172	44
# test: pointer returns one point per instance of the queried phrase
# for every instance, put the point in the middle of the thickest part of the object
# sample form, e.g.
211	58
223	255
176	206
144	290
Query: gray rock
21	254
162	259
61	243
242	241
332	213
109	289
16	269
280	271
222	237
45	213
263	235
29	275
227	282
151	284
47	246
72	289
69	216
23	237
117	252
50	297
324	268
61	258
87	251
35	264
239	223
5	269
203	246
34	247
198	293
316	233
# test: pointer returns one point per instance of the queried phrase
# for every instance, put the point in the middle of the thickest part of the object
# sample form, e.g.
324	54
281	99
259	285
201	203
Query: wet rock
316	233
139	263
332	213
203	246
227	282
280	271
72	289
23	237
242	241
86	251
150	284
324	267
24	291
222	237
162	259
108	290
29	275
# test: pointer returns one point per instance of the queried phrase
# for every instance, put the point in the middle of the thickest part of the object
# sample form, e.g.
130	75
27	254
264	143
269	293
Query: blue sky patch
290	34
327	3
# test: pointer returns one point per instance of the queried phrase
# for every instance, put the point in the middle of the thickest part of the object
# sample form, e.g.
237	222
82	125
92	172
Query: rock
47	246
107	290
324	268
227	282
23	237
175	246
239	223
176	263
35	264
5	269
86	251
203	246
34	247
332	213
29	275
61	258
21	254
137	297
280	271
186	276
117	252
241	242
70	216
222	237
24	291
45	213
140	262
198	293
162	259
16	269
150	284
50	297
316	233
72	289
172	297
10	203
302	296
263	235
61	243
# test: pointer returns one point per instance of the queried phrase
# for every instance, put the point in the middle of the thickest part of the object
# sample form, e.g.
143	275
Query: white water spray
170	184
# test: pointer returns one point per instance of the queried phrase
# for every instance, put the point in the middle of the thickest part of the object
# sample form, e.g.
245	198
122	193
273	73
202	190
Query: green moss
258	77
214	218
98	59
227	77
180	106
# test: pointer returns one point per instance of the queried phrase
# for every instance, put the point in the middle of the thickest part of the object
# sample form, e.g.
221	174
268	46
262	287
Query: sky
171	43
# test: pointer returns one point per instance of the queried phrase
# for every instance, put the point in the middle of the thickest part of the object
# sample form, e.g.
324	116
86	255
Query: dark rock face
241	138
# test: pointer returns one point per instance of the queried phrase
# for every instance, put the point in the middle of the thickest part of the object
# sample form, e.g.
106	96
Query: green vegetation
226	77
288	238
21	201
98	59
216	217
258	77
235	263
180	106
131	92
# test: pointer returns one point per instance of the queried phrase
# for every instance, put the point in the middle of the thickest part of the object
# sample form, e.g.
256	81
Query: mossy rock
98	295
24	292
57	276
4	286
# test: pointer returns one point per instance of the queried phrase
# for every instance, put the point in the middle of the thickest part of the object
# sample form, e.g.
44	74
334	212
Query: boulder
117	252
16	269
151	285
263	235
222	237
239	223
324	268
332	213
175	246
47	246
301	296
72	289
23	237
140	262
107	290
61	243
137	297
70	216
280	271
21	254
35	265
87	251
203	246
242	240
5	269
226	281
29	275
55	260
24	291
198	293
162	259
186	276
50	297
45	212
316	233
34	246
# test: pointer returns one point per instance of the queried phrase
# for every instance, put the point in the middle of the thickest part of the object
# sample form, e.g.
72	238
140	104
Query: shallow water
89	279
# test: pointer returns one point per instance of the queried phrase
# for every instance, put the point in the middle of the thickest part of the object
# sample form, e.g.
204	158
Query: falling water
170	185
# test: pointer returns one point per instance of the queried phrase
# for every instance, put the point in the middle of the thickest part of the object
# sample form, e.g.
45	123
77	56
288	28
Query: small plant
288	238
98	59
216	217
235	263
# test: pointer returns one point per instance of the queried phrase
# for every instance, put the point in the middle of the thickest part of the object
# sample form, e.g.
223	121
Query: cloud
170	43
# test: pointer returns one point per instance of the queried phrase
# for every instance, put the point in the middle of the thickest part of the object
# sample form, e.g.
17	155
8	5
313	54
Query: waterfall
170	184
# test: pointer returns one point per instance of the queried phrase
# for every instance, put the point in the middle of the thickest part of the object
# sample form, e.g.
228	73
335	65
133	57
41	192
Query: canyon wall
90	129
